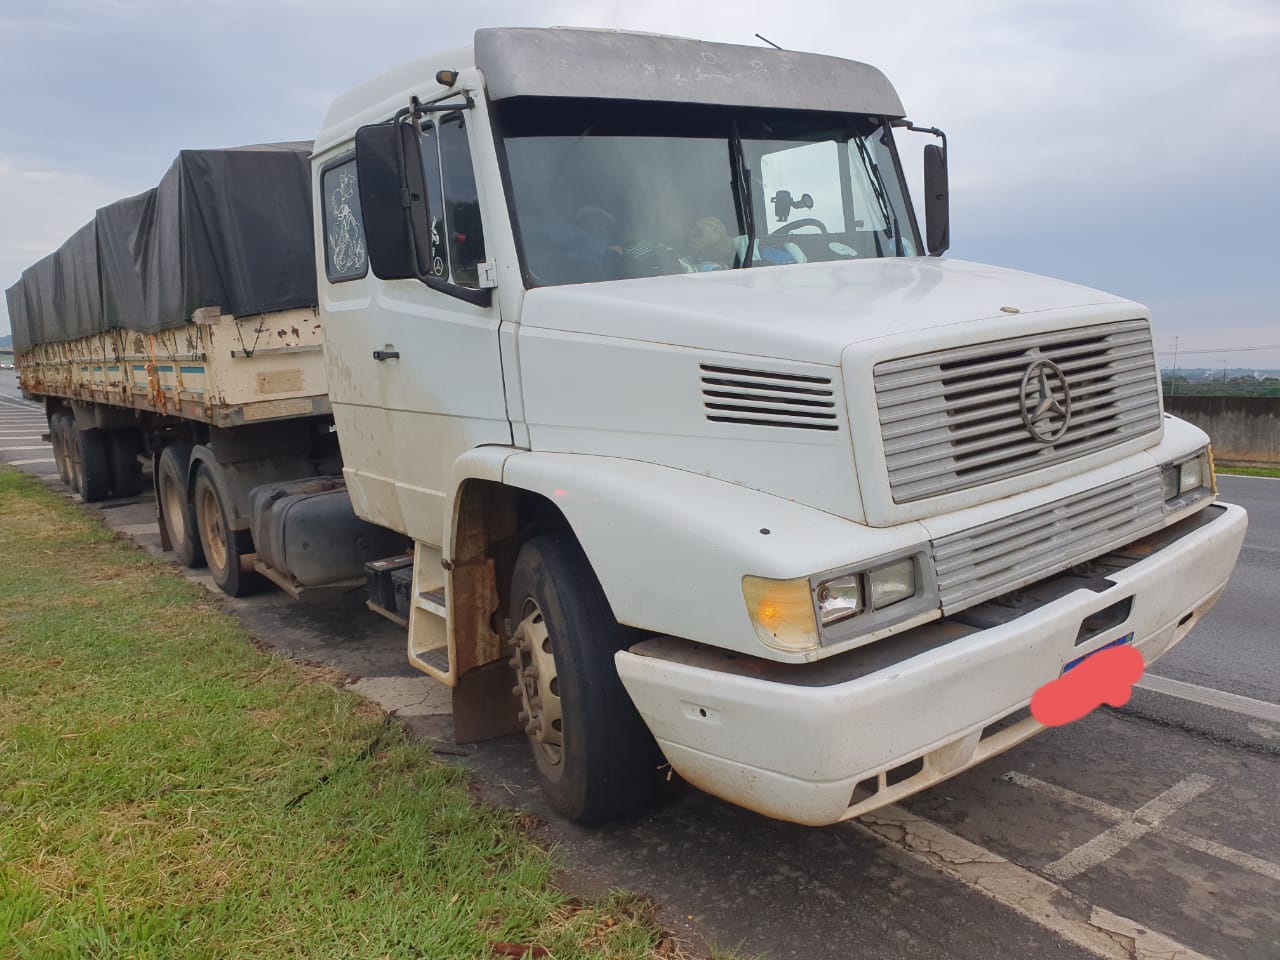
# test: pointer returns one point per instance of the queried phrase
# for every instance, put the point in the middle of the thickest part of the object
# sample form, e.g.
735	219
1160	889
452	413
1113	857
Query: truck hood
806	312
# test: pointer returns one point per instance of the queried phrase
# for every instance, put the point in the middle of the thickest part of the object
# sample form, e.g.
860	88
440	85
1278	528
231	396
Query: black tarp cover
228	228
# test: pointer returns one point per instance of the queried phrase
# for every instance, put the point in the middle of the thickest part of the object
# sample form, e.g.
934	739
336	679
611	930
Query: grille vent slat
952	419
987	561
764	398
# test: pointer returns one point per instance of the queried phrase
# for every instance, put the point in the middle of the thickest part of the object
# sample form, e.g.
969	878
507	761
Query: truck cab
708	456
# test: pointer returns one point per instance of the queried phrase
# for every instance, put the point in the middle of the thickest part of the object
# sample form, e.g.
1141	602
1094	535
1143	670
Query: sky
1130	145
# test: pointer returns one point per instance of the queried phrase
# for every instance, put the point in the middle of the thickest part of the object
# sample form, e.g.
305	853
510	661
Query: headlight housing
799	616
1185	481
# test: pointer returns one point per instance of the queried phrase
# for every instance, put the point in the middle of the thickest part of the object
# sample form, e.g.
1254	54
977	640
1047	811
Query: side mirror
393	199
936	201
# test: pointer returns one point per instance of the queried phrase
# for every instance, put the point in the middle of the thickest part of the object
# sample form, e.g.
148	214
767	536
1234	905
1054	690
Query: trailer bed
216	369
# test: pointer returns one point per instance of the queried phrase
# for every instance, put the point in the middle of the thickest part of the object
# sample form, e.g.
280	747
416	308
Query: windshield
607	190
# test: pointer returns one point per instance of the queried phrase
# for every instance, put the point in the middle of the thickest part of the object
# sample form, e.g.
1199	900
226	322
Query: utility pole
1173	387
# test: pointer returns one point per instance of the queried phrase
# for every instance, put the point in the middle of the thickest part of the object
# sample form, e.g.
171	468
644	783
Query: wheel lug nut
535	702
531	672
531	728
517	690
523	716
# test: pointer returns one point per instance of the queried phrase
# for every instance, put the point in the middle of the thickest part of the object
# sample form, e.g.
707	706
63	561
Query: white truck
638	345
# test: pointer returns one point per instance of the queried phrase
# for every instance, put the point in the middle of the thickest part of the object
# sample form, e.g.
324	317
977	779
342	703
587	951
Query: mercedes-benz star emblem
1046	401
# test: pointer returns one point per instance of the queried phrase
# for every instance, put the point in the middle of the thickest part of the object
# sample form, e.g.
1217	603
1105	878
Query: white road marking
1245	476
10	439
43	446
1141	822
1097	930
1105	811
27	463
1259	709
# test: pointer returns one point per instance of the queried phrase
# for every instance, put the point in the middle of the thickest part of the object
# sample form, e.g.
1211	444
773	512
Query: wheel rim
539	684
72	455
212	532
175	511
59	452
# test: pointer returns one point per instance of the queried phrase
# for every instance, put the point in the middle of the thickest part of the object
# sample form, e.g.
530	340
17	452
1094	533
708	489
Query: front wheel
596	758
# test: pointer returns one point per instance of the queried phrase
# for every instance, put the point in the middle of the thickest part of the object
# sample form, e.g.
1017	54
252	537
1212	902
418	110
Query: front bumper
822	742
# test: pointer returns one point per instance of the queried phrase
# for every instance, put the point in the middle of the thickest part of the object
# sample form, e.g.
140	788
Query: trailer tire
70	450
95	464
605	763
223	546
126	471
58	438
177	510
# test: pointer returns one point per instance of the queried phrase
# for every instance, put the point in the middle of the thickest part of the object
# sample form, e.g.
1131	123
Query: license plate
1127	638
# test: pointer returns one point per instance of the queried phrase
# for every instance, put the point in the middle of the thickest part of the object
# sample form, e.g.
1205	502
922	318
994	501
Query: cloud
1123	145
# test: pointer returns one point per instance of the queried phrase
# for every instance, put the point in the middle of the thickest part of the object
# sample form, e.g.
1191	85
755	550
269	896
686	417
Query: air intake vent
761	398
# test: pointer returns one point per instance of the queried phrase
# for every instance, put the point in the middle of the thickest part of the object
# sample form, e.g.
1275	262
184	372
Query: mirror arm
417	109
904	123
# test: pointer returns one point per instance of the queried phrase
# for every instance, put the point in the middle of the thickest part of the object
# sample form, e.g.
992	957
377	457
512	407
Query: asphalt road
1149	831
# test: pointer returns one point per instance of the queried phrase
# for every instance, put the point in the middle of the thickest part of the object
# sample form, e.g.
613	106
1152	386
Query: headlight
839	599
846	596
1179	479
893	583
797	616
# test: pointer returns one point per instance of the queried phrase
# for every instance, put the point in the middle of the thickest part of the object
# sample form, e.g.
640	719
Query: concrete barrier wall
1243	429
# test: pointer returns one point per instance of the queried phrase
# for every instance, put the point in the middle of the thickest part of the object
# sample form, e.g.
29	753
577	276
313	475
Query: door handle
381	355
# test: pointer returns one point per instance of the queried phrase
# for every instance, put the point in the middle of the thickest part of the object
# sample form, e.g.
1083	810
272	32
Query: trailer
652	413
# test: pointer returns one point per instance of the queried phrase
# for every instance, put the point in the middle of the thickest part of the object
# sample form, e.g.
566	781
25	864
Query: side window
435	201
462	206
457	240
345	254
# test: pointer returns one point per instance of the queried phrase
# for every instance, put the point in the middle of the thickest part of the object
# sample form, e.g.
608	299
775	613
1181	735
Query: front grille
986	561
952	419
768	399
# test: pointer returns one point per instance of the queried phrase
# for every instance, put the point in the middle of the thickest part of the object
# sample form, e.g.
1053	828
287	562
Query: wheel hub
537	683
211	518
173	508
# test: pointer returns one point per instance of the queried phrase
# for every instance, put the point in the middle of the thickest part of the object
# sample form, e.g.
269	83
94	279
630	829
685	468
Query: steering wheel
795	225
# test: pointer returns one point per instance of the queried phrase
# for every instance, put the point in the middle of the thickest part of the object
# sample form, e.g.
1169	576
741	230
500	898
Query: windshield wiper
882	195
740	179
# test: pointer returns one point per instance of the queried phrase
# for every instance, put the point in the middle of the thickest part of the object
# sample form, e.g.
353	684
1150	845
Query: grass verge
166	789
1247	471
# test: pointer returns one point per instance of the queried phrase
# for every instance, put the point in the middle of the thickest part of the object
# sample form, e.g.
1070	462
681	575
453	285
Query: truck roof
620	65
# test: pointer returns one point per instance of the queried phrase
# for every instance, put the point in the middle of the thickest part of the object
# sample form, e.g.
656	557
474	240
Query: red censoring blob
1106	677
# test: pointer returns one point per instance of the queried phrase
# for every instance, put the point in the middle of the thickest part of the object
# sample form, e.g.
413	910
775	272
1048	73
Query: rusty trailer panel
216	369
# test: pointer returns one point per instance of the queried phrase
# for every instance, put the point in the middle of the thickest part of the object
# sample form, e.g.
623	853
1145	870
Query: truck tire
70	450
223	547
177	510
58	438
596	758
126	471
94	463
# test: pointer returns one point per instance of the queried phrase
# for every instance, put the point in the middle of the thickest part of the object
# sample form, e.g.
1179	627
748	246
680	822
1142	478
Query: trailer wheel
596	758
94	463
126	471
70	450
223	546
58	437
178	512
